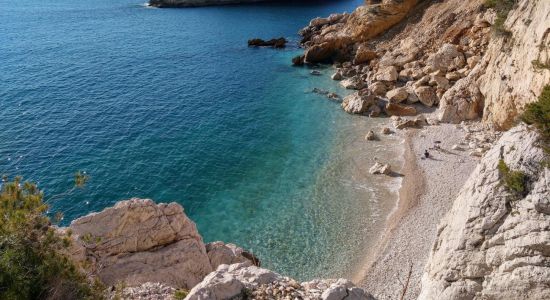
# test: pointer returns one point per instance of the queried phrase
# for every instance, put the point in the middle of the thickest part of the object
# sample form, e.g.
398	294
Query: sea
172	105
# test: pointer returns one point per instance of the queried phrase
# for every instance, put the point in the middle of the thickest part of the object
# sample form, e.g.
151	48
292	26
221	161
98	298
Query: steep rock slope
492	245
517	68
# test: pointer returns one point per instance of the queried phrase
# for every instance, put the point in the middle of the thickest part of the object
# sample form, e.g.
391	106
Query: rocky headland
452	77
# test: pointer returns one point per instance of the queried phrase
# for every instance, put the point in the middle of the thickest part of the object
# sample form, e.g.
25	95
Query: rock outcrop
155	249
495	244
138	241
333	38
243	281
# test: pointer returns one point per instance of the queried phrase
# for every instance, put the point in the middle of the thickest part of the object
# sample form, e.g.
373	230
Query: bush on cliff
502	8
32	265
515	181
538	114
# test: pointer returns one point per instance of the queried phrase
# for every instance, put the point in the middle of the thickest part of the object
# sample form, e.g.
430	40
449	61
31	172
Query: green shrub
538	114
32	265
180	294
513	180
502	8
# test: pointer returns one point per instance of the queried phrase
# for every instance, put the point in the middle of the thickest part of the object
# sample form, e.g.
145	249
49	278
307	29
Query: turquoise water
170	104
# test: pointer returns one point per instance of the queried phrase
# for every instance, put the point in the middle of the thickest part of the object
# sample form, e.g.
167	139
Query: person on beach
426	154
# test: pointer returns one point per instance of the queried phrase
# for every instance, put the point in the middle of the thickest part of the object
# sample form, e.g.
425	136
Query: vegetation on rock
502	8
32	263
180	294
515	181
538	114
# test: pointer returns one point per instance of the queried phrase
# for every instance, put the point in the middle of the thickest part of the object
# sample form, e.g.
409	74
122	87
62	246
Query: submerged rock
275	43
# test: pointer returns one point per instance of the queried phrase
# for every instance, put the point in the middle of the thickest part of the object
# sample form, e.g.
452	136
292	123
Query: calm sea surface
171	104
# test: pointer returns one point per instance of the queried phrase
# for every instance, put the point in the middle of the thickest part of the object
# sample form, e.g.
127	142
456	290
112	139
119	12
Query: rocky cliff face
494	244
517	67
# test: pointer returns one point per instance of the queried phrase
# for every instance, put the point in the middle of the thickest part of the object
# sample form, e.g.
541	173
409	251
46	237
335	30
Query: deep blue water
171	104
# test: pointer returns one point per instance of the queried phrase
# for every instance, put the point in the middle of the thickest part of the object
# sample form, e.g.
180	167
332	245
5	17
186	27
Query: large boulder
230	281
353	83
387	74
379	168
138	241
426	95
220	253
358	104
463	101
397	95
444	59
495	243
364	54
320	53
394	109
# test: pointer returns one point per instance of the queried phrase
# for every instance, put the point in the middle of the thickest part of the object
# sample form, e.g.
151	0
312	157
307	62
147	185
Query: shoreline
428	189
411	184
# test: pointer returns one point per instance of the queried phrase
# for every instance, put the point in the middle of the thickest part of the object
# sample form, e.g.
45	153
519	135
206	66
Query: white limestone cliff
492	245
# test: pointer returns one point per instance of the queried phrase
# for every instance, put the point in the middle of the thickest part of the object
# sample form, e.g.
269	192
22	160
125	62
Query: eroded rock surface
494	244
138	241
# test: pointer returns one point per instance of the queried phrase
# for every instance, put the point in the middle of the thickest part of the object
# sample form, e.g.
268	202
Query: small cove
170	104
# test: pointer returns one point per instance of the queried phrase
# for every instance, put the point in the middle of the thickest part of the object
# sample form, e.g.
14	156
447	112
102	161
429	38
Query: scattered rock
394	109
378	88
397	95
426	95
364	55
386	130
220	253
337	76
408	123
379	168
387	74
356	104
353	83
370	136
